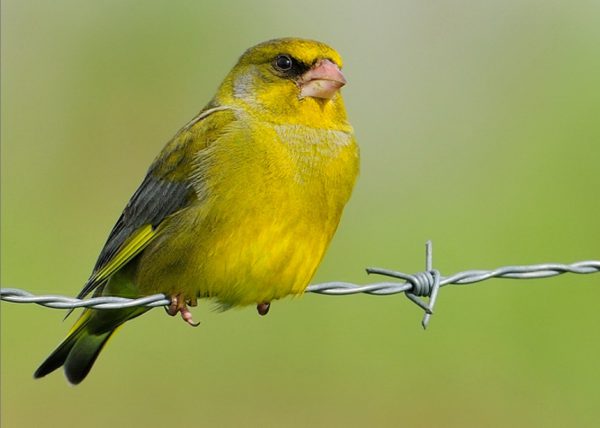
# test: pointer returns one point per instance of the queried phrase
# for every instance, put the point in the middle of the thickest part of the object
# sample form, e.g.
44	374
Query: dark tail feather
56	359
82	356
77	353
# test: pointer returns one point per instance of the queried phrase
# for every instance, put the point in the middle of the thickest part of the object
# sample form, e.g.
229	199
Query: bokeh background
479	124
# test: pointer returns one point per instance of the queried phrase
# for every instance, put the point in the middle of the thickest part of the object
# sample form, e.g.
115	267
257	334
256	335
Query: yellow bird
239	207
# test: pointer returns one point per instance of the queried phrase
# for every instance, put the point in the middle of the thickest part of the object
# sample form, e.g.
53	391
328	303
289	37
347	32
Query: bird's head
288	80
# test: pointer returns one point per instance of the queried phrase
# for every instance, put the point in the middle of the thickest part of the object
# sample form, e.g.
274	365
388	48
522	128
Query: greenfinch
239	207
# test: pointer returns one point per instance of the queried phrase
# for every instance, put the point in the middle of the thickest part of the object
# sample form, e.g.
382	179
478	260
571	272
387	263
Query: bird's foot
179	305
263	308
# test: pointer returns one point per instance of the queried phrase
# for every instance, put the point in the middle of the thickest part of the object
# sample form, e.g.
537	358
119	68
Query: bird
240	205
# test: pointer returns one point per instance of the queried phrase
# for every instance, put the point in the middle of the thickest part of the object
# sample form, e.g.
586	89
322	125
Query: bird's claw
263	308
179	305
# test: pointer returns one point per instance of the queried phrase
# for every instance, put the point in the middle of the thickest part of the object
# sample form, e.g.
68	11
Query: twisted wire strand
420	284
423	280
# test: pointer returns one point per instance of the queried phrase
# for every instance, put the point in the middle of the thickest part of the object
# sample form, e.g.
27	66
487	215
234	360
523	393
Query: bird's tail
78	351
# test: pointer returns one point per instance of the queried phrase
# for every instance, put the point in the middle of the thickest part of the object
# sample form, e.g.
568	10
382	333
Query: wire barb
420	284
426	283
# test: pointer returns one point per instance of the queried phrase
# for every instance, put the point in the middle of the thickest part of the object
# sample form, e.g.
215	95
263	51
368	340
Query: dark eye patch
289	66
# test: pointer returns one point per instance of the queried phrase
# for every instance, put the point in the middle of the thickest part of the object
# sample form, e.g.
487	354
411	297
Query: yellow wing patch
134	244
80	322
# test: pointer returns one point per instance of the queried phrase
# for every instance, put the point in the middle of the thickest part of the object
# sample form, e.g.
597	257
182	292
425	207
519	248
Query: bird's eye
284	63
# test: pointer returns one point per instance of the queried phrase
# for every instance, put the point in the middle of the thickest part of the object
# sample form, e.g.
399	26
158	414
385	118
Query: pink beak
323	80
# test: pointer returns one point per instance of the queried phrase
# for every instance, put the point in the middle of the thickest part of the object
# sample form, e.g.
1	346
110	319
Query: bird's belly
245	259
261	262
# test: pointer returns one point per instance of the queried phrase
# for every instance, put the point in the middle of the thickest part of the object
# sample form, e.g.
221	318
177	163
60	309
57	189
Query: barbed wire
421	284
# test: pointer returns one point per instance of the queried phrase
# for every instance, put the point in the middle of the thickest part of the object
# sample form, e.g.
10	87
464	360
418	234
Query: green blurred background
479	124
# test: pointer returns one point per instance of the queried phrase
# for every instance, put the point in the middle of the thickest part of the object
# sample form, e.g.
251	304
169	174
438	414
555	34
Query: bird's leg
263	308
178	305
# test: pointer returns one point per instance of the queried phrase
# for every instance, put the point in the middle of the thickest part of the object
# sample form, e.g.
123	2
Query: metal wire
421	284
